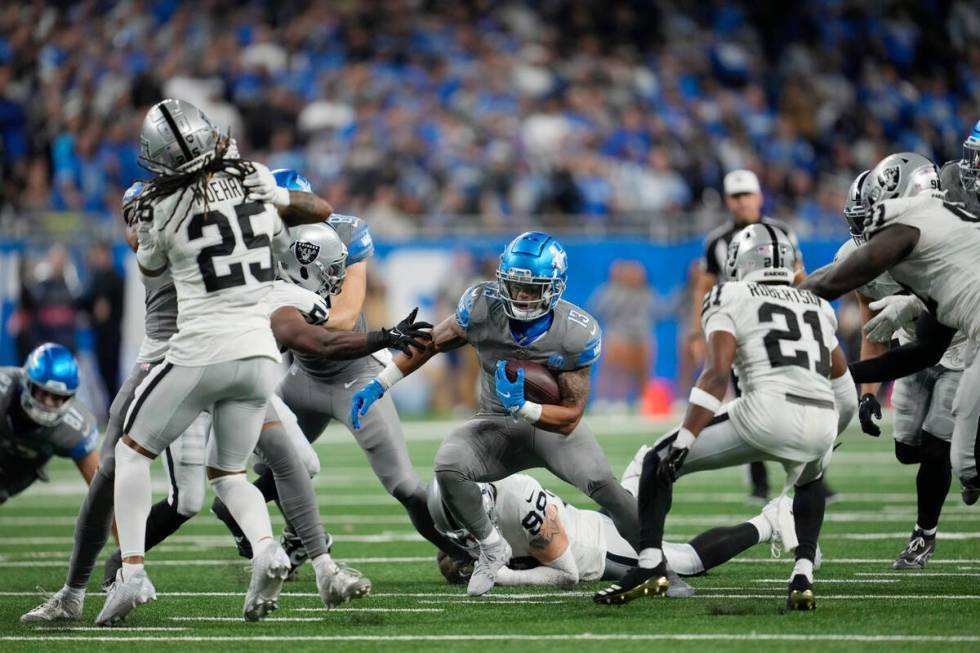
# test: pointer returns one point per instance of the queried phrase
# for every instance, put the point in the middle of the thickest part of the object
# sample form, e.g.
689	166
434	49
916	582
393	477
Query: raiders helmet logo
888	178
306	252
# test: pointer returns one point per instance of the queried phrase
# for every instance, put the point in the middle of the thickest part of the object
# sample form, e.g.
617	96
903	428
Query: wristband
705	400
684	439
280	197
530	412
389	376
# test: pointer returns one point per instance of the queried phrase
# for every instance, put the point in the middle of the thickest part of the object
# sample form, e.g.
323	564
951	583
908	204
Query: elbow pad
845	396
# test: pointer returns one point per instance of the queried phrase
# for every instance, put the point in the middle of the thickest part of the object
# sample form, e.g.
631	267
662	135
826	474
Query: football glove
510	393
261	186
894	312
407	334
868	409
361	403
669	469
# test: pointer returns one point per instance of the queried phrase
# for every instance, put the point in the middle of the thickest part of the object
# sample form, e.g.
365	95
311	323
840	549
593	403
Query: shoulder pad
472	308
583	336
354	233
81	435
9	378
903	210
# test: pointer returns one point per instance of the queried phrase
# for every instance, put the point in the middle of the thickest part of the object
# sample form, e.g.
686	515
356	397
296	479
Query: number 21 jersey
222	266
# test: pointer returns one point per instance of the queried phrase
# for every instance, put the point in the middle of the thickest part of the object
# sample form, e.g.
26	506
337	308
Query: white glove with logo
894	312
261	186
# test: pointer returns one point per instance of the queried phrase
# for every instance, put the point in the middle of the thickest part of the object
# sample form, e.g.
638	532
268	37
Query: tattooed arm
550	547
305	208
564	417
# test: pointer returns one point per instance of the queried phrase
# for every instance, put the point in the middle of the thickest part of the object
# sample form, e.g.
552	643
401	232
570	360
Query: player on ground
41	418
930	247
782	345
520	316
923	401
318	389
556	544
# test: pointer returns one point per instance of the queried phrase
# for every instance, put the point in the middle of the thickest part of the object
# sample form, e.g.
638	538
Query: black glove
669	468
869	408
407	334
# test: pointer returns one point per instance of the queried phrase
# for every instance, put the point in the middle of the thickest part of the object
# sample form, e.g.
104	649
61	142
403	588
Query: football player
520	316
41	418
923	401
318	388
797	396
554	543
961	179
929	246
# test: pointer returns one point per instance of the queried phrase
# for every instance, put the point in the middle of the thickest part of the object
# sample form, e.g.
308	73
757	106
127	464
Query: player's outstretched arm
305	208
293	332
931	341
888	247
550	547
88	465
446	336
295	207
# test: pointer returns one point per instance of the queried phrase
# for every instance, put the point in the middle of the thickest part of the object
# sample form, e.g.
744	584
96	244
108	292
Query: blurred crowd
411	112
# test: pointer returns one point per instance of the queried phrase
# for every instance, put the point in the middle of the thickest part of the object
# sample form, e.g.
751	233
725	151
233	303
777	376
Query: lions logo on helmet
531	276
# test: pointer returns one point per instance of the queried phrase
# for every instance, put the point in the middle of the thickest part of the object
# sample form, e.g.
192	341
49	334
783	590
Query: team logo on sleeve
306	252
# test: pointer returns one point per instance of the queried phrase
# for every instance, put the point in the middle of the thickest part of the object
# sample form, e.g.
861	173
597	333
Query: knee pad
190	499
908	454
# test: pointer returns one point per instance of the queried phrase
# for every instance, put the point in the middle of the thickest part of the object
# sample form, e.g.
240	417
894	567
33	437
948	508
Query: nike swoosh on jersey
347	385
505	395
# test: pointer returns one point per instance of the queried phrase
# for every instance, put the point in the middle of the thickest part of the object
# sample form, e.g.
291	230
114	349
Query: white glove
894	312
261	186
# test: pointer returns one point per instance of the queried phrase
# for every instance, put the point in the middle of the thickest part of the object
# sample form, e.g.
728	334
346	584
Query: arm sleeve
560	572
931	341
472	308
845	396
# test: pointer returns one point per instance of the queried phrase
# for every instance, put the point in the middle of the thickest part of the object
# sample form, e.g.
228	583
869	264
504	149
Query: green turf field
862	603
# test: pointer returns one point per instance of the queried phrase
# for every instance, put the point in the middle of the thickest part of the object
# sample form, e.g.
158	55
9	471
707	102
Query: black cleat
637	582
917	552
241	542
801	594
293	546
971	491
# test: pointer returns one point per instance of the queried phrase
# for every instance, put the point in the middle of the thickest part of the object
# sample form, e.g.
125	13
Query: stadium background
451	126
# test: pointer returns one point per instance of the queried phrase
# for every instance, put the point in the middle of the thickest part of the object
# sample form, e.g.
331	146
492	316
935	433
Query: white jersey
311	305
520	508
222	266
941	270
884	286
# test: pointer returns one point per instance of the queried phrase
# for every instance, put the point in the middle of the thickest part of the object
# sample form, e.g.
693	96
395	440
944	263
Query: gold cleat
637	583
801	594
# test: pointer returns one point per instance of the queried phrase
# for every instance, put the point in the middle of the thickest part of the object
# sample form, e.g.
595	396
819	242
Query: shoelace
776	544
915	543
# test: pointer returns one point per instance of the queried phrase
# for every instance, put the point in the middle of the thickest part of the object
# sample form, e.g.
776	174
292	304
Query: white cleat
269	571
779	514
123	596
58	607
492	558
338	585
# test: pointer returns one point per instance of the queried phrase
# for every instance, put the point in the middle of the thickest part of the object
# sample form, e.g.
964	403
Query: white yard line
324	610
102	629
824	581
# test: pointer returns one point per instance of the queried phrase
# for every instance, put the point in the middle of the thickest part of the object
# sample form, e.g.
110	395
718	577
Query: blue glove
361	403
511	394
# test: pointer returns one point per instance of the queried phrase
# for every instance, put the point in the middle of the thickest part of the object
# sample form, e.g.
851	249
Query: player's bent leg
809	504
932	485
965	447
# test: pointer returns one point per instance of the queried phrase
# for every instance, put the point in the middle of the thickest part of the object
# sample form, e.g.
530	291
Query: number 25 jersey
783	335
223	269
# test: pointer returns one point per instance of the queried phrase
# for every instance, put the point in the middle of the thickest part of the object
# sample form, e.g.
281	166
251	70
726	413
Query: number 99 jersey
222	266
941	269
784	336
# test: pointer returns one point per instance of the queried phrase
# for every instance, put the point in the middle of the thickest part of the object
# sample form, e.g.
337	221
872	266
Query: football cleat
123	596
801	594
59	606
221	511
679	589
269	571
338	585
491	559
293	546
971	491
779	514
637	582
917	552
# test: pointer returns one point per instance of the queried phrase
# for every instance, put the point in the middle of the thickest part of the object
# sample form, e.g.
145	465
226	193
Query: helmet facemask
970	166
527	298
35	399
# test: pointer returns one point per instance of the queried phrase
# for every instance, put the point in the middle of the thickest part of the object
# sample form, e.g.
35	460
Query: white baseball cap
741	181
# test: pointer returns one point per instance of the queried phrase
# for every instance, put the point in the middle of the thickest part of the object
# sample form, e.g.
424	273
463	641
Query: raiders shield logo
888	179
306	252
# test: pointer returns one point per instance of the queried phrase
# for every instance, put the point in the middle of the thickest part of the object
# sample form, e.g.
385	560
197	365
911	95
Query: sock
323	563
928	532
246	505
133	495
163	521
73	593
719	545
932	481
805	567
129	569
809	504
490	539
650	558
763	526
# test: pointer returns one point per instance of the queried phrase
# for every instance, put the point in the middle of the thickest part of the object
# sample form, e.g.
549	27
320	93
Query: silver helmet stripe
775	245
173	127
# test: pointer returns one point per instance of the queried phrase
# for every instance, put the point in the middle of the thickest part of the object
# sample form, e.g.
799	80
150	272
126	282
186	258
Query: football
540	385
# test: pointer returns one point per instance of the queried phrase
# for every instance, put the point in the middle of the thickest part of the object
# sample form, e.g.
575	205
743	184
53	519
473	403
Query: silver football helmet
853	209
177	137
316	260
447	525
761	253
905	174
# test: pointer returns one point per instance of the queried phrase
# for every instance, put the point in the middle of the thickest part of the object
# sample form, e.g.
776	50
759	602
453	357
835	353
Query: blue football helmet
970	163
292	180
53	369
531	276
129	202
